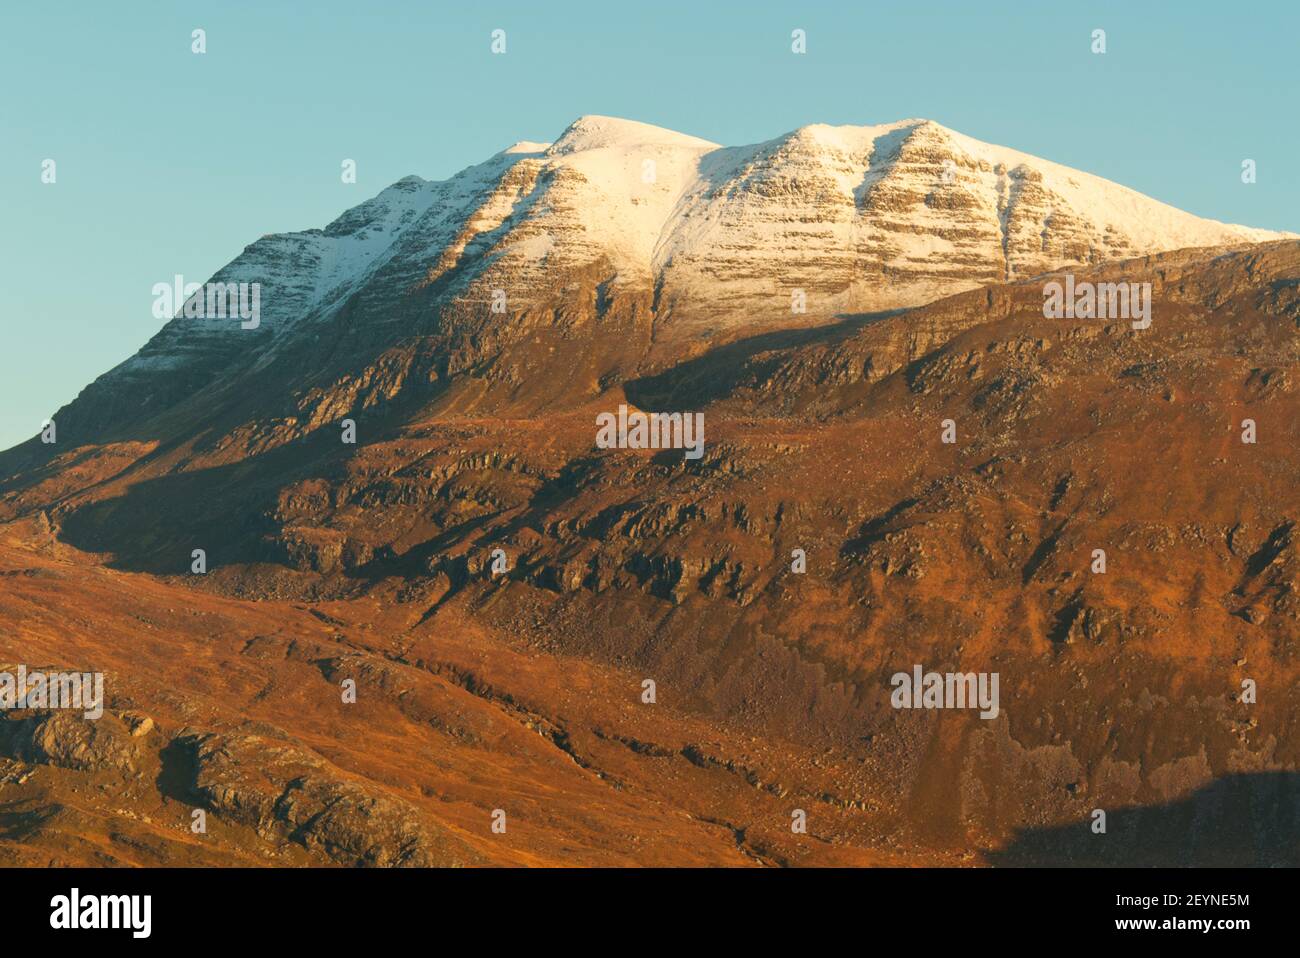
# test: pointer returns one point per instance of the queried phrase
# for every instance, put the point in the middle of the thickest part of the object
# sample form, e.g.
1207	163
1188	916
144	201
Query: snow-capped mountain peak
691	238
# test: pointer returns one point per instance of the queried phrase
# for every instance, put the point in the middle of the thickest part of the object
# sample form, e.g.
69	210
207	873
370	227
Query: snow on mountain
855	218
865	218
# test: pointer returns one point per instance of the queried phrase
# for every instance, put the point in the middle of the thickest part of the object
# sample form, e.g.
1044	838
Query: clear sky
171	162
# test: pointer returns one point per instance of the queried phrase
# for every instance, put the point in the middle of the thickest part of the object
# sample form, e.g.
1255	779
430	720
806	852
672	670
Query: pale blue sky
170	162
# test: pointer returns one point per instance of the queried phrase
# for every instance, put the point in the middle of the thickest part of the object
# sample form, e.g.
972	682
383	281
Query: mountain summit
548	271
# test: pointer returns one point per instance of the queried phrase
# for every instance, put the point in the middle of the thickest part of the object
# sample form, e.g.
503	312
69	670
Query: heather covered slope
1120	690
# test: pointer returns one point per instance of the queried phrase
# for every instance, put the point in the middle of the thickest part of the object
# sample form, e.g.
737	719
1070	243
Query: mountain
521	687
604	274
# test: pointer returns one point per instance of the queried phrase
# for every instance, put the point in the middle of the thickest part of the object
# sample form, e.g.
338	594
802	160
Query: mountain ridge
628	247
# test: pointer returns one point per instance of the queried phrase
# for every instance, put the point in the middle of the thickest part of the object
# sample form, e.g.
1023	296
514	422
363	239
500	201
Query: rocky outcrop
257	778
67	740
